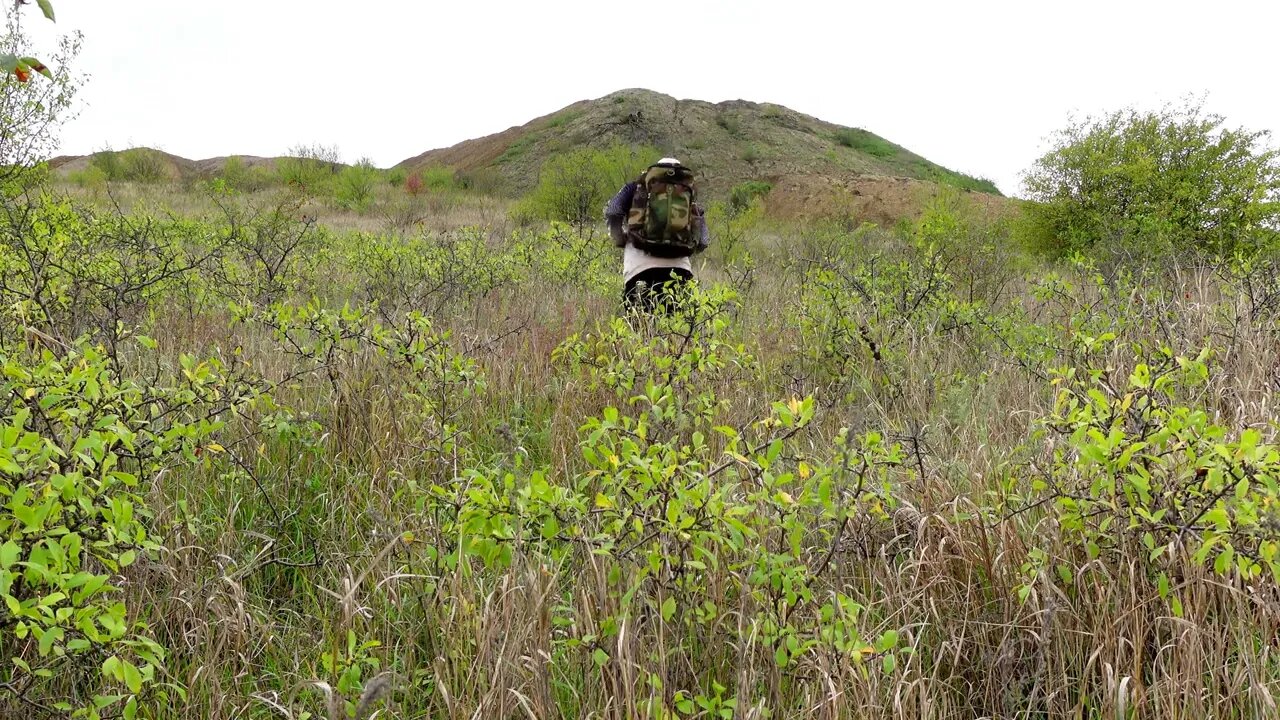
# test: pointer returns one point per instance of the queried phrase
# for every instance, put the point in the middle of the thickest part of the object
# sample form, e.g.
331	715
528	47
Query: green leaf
600	657
132	677
1223	562
887	641
9	554
890	663
668	609
46	7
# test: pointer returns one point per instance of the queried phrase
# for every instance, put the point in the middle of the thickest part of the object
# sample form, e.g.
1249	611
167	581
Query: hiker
659	223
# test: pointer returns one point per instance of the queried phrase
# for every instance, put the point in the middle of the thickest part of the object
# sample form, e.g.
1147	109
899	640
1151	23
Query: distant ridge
814	167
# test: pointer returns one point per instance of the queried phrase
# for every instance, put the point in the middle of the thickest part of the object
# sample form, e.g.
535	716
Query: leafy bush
1176	178
91	177
79	446
486	181
310	168
744	194
575	187
355	185
108	163
438	178
142	165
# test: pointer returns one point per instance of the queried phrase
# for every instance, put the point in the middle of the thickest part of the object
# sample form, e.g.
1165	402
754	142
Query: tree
576	186
312	168
355	185
31	113
1178	178
12	59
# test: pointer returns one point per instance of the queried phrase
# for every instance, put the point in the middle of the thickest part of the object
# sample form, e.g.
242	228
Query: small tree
576	186
311	168
355	185
31	113
1178	177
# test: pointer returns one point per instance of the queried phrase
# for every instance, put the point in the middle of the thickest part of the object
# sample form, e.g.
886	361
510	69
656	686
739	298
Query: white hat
668	161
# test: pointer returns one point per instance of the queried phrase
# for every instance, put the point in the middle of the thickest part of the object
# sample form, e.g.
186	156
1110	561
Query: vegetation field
255	466
296	439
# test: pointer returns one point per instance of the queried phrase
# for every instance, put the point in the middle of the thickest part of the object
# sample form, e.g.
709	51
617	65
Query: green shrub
310	168
143	165
79	449
1177	177
867	142
355	184
486	181
576	186
438	178
744	194
729	124
92	177
241	176
108	163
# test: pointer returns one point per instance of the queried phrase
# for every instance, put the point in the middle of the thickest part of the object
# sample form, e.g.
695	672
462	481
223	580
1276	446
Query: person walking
658	222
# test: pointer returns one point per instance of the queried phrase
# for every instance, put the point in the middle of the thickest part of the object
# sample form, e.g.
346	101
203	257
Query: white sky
976	86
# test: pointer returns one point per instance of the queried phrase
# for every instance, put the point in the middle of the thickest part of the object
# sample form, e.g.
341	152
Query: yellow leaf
30	393
407	537
805	471
786	498
613	460
602	501
215	447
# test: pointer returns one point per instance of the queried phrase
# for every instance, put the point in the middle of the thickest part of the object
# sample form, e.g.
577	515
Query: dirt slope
728	143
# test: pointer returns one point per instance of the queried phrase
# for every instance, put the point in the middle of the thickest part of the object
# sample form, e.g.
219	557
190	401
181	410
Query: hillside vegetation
314	440
813	168
728	143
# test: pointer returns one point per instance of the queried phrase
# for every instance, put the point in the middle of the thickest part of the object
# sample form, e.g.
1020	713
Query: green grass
517	149
563	118
909	163
868	143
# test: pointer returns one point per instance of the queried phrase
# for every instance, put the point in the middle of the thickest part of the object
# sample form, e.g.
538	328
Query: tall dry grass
275	555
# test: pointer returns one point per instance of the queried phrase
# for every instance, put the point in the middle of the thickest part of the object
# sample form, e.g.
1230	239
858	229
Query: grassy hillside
728	142
812	168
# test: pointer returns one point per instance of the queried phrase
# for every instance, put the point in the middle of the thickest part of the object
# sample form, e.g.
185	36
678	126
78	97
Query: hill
809	161
162	165
814	167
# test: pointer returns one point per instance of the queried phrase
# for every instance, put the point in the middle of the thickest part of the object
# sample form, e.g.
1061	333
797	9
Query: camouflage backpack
662	220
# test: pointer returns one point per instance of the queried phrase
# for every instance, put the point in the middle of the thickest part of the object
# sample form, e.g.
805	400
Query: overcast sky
976	86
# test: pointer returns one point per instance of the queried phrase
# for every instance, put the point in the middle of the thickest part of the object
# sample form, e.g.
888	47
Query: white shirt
636	261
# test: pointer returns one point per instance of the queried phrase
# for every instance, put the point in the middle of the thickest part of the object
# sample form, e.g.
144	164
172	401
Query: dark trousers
655	288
